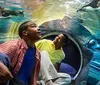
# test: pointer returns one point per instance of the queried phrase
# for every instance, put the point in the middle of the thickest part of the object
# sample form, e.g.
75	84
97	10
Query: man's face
33	31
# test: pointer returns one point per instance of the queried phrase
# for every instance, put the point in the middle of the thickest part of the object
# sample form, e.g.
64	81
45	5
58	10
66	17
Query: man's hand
5	74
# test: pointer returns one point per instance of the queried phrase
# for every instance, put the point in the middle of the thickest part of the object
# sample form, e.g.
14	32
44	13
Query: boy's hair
22	27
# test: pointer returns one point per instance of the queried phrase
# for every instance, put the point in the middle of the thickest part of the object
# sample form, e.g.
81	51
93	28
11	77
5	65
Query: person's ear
25	32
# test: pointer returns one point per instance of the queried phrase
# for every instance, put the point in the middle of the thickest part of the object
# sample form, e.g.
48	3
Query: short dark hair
22	27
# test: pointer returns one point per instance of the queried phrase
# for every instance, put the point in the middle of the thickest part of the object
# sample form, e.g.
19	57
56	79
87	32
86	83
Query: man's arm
5	74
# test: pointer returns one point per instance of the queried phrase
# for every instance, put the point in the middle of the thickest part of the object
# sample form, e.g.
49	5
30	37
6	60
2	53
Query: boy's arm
57	66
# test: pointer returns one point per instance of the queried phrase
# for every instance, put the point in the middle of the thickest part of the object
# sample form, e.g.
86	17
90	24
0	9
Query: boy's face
33	31
59	40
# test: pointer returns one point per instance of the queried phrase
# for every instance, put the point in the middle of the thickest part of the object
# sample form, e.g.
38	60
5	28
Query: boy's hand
49	82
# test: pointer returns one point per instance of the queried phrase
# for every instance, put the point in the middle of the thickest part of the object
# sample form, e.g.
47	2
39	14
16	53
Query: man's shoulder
11	42
8	46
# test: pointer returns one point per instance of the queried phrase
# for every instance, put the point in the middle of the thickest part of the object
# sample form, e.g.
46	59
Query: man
24	57
54	48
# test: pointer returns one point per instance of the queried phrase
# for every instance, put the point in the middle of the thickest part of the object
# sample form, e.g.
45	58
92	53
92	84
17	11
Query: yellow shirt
56	56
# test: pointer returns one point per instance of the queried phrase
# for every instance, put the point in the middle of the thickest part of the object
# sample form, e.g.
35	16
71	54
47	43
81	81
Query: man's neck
29	43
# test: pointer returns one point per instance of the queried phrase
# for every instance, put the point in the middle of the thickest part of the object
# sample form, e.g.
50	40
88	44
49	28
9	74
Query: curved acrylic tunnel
79	17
